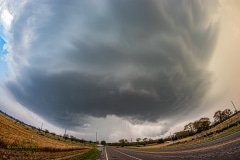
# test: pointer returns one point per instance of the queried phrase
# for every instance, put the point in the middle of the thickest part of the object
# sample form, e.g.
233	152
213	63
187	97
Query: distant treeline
190	129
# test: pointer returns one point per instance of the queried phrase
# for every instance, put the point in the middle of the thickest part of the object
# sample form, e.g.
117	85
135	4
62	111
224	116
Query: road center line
128	155
106	153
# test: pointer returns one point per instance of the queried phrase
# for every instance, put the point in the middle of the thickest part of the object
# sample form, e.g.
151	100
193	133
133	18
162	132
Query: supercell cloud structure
145	60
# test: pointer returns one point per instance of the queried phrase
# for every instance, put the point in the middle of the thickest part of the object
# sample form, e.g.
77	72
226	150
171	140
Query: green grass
93	154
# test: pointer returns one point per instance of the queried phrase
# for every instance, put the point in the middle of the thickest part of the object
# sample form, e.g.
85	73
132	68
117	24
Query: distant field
22	142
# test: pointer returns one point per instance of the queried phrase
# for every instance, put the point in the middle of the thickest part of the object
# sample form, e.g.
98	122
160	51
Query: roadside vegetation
21	141
199	131
93	154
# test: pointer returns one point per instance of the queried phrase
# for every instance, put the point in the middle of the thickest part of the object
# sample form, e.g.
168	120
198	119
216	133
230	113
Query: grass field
21	142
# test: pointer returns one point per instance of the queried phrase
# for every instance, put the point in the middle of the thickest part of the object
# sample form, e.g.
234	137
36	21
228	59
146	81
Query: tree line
190	129
202	124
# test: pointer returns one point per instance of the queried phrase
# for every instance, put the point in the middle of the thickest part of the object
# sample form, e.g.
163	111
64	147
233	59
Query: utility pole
234	107
41	126
65	131
96	137
171	136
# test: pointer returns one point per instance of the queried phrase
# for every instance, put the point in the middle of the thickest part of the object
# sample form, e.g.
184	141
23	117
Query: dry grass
25	155
17	140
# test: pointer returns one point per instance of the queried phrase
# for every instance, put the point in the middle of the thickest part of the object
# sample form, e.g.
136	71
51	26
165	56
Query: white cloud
5	19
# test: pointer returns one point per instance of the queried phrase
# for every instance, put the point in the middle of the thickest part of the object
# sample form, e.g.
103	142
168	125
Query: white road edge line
106	153
128	155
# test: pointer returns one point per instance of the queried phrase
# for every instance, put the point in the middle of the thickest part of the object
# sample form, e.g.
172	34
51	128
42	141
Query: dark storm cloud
143	59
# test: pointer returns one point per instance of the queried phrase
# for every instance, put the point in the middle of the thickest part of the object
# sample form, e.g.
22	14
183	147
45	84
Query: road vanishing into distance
227	148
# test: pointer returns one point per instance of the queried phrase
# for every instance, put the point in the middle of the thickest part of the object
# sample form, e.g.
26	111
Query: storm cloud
141	59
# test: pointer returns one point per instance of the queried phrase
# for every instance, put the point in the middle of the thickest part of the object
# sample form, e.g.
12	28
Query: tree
54	134
66	136
123	142
138	140
182	134
189	127
226	114
159	141
218	116
150	140
145	139
72	138
103	142
46	131
202	124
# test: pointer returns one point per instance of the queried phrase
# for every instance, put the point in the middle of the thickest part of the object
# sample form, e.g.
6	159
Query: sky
3	52
123	69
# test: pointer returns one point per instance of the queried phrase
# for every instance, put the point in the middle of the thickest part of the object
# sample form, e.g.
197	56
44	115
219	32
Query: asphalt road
227	148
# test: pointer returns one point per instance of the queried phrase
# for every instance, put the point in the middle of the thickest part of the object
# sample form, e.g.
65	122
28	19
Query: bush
210	134
159	141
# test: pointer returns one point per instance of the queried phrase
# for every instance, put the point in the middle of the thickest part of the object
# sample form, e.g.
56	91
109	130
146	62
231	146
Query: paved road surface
227	148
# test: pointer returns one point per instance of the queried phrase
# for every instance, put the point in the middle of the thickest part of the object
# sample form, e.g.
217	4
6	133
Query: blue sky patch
3	64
